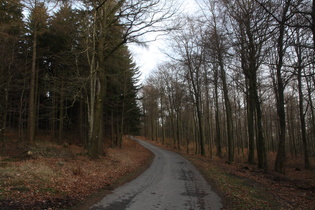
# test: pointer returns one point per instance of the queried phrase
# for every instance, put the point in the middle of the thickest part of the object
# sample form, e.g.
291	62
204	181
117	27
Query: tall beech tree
192	56
226	53
251	32
134	19
220	46
299	71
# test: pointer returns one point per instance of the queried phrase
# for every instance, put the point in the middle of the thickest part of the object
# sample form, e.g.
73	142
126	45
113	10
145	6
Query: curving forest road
171	182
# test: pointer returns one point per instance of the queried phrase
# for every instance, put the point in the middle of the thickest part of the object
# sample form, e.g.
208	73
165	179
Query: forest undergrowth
244	186
48	175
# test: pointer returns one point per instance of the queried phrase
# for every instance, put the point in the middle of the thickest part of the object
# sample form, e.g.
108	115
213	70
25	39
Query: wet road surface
170	183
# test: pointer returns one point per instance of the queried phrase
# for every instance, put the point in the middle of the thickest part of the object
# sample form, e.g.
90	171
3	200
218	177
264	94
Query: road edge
100	194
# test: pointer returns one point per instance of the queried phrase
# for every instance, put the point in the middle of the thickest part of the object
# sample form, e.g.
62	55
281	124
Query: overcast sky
147	59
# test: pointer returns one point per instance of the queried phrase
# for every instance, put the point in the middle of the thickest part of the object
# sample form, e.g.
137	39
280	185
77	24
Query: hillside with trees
236	97
68	96
239	84
66	70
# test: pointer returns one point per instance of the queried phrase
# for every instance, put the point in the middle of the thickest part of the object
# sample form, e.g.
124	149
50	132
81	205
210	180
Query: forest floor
244	186
51	176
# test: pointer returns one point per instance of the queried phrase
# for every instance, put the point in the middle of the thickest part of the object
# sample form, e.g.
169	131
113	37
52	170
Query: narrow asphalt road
171	183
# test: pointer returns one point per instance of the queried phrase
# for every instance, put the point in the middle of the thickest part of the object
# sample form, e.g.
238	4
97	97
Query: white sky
147	59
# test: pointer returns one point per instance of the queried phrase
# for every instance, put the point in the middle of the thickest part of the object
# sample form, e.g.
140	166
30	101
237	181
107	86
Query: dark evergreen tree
10	32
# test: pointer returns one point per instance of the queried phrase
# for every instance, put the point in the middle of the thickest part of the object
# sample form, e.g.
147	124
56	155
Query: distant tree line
241	80
65	68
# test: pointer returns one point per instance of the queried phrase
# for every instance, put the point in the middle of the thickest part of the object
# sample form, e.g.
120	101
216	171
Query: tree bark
281	154
250	126
98	115
61	112
32	96
261	147
217	114
98	90
301	111
229	120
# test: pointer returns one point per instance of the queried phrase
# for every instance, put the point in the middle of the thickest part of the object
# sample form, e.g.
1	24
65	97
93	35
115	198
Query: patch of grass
2	194
49	150
27	173
10	159
48	189
39	170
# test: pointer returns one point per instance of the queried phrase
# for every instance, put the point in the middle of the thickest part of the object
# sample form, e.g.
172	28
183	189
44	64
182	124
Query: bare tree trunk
32	96
162	117
61	112
82	126
261	147
98	115
53	115
312	108
250	126
98	95
178	129
3	116
301	110
313	22
98	80
281	154
229	121
112	129
217	114
200	123
291	110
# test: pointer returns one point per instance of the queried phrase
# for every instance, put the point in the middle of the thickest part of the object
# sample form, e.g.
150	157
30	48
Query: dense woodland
240	81
240	78
66	71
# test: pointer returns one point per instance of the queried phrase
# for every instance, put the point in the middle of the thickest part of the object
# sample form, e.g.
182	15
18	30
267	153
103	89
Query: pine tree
10	31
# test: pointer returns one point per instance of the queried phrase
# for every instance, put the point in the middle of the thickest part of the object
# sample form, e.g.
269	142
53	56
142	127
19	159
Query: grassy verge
236	192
